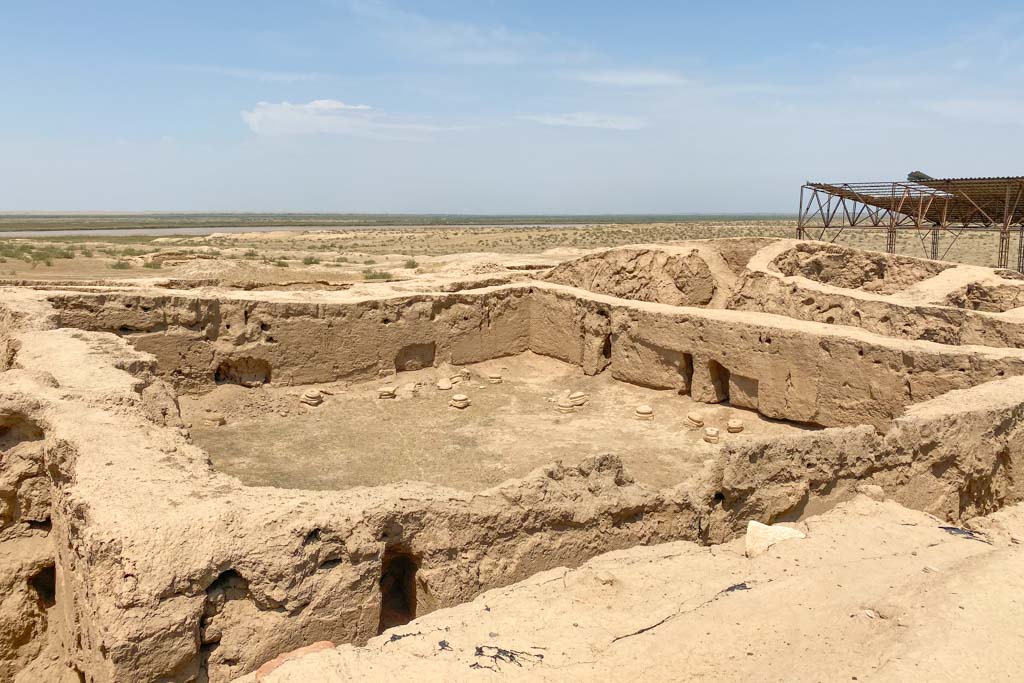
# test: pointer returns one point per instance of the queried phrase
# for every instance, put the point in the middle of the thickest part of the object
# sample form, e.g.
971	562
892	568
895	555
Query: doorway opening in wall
686	370
719	381
397	589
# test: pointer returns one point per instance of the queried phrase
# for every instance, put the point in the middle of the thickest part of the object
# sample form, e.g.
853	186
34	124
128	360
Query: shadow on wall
719	381
397	589
246	371
415	356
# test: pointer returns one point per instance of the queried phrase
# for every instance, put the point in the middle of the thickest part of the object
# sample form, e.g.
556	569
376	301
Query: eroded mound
678	278
854	269
997	298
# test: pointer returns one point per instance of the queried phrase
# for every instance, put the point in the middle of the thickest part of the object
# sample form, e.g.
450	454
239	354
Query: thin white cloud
266	76
461	42
329	117
588	120
631	77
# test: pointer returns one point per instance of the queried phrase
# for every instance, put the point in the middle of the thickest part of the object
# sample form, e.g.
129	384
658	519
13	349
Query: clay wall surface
945	324
26	552
811	373
300	342
944	303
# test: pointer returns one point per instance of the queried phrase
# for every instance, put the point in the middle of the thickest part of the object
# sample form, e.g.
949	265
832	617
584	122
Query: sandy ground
357	439
353	254
875	592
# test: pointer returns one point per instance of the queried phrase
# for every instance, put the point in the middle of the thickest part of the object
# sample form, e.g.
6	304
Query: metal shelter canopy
930	206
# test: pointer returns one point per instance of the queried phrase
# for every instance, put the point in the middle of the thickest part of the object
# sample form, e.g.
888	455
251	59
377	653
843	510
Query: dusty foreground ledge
874	592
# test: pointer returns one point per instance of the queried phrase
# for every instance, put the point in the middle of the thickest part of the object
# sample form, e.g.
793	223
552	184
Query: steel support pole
890	240
936	230
800	217
1020	249
890	233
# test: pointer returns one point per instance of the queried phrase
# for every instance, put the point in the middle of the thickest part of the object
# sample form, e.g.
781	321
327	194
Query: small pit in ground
356	439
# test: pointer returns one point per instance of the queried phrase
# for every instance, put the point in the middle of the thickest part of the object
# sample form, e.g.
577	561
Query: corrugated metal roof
911	182
967	201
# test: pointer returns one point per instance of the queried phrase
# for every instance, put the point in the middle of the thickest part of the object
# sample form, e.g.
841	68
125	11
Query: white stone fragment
311	397
872	491
564	405
213	419
760	537
460	401
578	398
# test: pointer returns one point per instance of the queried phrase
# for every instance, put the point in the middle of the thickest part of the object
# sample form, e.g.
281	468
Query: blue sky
486	106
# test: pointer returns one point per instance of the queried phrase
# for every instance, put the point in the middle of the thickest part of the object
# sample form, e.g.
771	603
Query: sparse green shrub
310	260
120	264
153	265
369	262
371	274
251	253
411	263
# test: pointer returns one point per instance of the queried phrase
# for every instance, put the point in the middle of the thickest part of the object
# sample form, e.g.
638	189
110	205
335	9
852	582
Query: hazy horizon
483	108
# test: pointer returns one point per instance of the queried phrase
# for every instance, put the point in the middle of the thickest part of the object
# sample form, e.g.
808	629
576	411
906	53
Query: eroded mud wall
198	342
27	574
958	456
783	370
768	293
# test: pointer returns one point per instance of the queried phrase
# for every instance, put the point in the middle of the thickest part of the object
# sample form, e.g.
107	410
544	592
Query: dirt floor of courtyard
355	438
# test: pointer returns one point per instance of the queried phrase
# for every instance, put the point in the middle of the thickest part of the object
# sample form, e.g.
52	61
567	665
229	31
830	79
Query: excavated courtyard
354	438
198	475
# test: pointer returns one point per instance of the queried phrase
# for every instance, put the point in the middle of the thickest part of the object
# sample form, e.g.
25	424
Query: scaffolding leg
935	242
800	217
1020	250
890	240
1004	248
